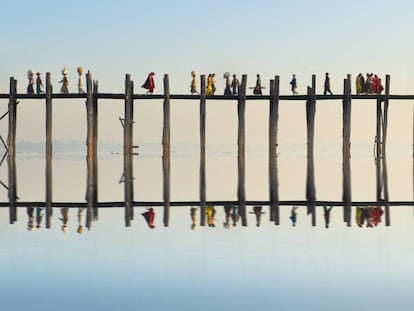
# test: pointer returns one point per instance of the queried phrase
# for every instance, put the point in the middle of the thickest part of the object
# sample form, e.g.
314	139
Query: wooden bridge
310	99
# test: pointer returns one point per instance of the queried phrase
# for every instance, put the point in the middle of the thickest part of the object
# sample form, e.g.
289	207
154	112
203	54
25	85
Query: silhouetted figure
80	220
368	84
235	85
227	89
227	211
293	215
211	212
327	85
327	215
293	85
257	210
39	83
30	77
65	218
358	84
149	216
193	214
149	83
258	88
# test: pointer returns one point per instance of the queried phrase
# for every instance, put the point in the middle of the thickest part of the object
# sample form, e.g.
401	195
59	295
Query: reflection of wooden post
11	155
241	193
310	177
49	151
203	151
384	145
128	194
90	143
166	150
346	151
95	150
273	174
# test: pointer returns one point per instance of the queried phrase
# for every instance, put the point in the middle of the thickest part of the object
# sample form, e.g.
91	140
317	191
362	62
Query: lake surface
112	267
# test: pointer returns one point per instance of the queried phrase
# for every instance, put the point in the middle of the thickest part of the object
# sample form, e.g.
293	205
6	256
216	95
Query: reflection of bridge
273	98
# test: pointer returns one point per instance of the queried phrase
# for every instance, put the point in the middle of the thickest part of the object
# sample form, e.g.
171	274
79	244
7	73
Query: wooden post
273	171
90	156
384	148
203	151
346	151
166	150
11	155
310	177
49	151
95	150
241	193
128	195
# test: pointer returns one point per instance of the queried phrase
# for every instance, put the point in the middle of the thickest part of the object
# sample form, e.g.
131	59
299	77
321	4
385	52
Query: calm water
243	268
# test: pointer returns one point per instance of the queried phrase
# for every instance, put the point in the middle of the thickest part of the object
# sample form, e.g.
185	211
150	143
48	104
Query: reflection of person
358	216
149	84
211	212
65	218
193	214
235	215
39	217
376	215
227	212
257	210
30	218
149	216
80	220
293	215
327	215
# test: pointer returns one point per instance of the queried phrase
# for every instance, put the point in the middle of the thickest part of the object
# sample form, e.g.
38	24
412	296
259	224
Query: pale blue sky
268	37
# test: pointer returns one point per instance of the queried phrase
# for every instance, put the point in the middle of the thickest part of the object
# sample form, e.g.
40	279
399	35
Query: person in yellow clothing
211	212
209	90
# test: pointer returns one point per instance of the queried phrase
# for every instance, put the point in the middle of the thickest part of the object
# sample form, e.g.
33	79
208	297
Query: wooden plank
89	157
166	151
241	192
203	151
346	151
11	156
128	151
49	151
273	144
